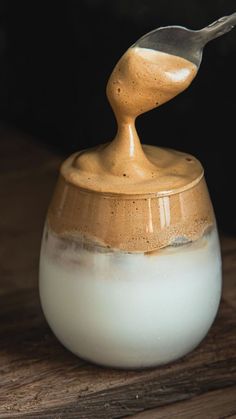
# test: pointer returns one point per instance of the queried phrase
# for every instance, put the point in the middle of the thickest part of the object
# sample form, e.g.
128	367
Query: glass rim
130	196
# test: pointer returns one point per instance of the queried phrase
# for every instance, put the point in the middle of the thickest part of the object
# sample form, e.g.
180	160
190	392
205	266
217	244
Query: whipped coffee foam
137	223
142	80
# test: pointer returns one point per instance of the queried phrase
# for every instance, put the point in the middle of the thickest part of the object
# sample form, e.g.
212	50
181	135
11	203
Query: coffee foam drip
142	80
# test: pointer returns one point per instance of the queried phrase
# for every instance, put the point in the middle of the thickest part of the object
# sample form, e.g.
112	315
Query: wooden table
39	378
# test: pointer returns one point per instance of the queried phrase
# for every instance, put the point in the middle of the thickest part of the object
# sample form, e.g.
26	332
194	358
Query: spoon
183	42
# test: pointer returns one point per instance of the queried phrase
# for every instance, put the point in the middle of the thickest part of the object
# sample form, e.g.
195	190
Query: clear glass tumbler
107	298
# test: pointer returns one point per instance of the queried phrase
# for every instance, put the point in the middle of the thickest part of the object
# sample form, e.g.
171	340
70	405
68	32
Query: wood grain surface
39	378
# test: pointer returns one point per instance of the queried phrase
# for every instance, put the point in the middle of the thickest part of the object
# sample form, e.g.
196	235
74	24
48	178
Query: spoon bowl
183	42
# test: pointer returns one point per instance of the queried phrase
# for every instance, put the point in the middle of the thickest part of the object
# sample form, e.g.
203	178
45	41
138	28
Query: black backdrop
56	58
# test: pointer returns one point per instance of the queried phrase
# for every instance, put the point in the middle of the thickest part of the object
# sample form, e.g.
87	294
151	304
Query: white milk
131	310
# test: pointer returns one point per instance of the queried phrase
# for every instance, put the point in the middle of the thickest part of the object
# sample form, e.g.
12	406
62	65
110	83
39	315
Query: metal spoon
183	42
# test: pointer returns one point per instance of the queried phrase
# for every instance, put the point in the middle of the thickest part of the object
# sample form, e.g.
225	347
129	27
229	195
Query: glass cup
130	281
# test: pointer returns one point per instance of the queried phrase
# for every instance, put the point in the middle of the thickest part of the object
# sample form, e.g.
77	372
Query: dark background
55	59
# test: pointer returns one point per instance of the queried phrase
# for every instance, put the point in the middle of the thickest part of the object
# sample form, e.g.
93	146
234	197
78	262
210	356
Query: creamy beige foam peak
142	80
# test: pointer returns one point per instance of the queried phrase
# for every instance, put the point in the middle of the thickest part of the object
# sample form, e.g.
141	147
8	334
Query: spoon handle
218	28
